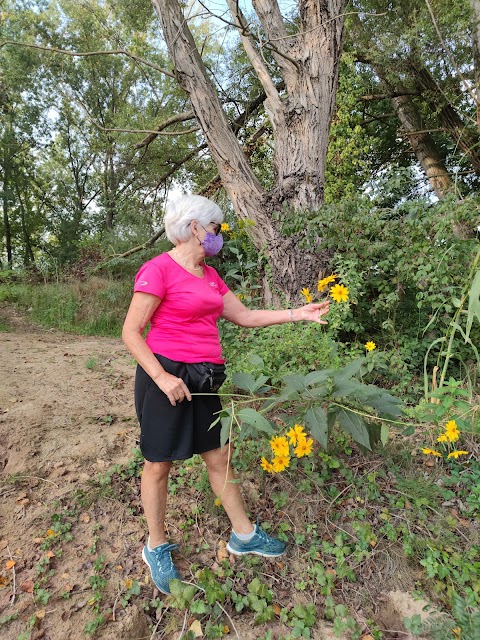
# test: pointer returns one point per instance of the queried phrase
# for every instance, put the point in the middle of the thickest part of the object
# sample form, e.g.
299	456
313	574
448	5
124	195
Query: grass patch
95	307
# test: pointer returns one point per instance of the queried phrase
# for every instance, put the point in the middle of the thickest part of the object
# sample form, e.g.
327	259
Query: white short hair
180	213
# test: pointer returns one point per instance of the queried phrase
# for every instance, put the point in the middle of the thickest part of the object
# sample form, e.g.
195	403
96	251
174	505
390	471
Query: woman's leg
154	499
220	474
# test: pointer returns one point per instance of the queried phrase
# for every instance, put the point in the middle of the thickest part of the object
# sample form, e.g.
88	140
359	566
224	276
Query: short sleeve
222	287
149	279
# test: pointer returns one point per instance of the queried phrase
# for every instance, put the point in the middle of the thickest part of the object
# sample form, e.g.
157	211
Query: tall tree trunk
456	128
423	146
108	174
300	119
475	6
29	257
6	199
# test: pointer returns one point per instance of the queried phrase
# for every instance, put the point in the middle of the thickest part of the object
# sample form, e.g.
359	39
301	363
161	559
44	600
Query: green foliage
349	400
96	307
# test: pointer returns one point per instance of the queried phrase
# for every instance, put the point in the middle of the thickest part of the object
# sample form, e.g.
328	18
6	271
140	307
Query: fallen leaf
367	637
27	586
68	588
119	567
222	554
38	540
277	609
40	614
85	517
23	502
9	564
50	554
196	629
65	576
3	582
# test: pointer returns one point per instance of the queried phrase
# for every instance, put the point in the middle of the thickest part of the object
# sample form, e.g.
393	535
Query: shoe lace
265	538
163	557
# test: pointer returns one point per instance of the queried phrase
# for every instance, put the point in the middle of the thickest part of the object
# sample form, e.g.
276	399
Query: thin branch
384	96
181	117
449	55
254	57
146	245
84	54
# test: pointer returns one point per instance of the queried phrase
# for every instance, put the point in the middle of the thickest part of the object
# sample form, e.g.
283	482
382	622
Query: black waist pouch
205	377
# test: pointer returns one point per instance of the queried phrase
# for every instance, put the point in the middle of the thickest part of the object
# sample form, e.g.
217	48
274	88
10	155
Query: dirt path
71	534
66	415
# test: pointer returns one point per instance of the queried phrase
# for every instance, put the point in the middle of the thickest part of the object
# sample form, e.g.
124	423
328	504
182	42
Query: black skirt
174	432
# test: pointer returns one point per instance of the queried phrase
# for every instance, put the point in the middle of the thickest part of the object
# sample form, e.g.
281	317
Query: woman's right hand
174	388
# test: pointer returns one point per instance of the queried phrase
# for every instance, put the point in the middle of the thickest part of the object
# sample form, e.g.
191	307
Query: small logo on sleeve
143	283
214	285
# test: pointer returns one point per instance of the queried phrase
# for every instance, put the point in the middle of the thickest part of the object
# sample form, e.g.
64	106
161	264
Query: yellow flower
451	426
339	293
304	448
455	454
280	446
299	430
431	452
280	463
218	502
225	227
306	293
452	435
442	438
128	583
370	346
266	465
292	436
323	283
456	631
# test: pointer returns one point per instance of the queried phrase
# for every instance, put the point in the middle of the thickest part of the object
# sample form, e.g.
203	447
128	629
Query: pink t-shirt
184	325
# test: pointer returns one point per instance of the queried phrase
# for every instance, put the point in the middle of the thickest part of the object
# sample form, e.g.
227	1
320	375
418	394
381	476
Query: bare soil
67	416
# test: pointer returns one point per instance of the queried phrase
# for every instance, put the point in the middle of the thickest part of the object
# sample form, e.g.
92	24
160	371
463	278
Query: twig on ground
14	593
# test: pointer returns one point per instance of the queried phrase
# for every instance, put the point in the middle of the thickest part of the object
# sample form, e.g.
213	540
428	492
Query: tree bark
309	63
423	146
464	138
475	7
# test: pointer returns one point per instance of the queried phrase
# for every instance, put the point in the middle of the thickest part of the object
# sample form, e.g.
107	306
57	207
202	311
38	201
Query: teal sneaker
161	565
261	544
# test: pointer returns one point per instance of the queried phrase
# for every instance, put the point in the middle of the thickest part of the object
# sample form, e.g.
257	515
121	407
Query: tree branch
84	54
254	57
385	96
181	117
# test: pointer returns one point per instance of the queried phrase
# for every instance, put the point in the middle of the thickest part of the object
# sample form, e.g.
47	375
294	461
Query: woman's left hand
312	312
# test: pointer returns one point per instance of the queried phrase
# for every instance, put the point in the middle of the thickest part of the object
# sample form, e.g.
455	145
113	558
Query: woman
183	298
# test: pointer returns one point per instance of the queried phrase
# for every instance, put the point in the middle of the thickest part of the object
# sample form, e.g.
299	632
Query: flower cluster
280	445
451	434
338	292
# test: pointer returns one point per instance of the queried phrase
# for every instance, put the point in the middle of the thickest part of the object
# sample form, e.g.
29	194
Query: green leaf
384	432
316	420
473	303
386	404
350	370
296	382
225	431
256	360
244	381
198	606
255	419
355	426
318	377
347	387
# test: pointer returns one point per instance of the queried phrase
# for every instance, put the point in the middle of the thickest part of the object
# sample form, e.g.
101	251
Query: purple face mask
212	244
